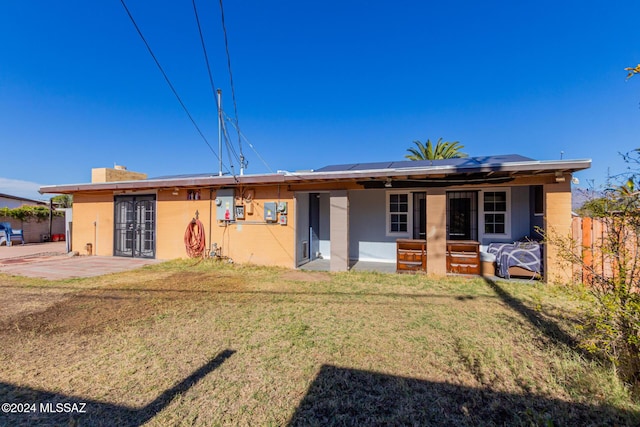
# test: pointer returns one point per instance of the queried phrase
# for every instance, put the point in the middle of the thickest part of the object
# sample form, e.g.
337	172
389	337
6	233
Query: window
538	200
397	213
495	212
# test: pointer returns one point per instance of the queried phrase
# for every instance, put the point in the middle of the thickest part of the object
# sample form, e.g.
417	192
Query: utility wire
248	142
206	57
233	91
184	107
229	149
225	133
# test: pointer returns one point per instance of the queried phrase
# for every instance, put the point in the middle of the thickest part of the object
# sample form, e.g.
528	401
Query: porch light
559	176
388	183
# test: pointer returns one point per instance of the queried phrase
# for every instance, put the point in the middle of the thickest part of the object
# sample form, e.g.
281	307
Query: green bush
29	213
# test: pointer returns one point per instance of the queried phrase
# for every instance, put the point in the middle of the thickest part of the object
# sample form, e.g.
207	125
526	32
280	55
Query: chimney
118	173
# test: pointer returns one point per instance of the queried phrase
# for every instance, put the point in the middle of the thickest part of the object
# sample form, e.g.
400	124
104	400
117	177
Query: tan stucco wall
339	230
437	231
245	241
113	175
93	222
557	201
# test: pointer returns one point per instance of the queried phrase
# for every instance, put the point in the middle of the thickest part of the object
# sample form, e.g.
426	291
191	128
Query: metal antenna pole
219	132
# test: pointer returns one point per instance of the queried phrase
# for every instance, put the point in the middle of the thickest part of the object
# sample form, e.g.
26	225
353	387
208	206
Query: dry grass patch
181	343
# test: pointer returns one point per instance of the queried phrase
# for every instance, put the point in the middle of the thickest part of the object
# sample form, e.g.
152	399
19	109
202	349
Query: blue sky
316	83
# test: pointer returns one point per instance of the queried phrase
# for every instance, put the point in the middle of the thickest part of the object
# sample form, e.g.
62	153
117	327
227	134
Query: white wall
367	225
325	240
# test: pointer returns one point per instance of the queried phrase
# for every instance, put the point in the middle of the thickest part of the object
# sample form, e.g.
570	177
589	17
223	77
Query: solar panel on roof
403	164
188	175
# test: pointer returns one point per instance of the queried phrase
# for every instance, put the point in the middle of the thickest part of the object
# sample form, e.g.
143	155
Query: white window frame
507	214
409	214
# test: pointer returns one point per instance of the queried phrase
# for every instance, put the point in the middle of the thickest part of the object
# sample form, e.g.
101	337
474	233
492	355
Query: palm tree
442	150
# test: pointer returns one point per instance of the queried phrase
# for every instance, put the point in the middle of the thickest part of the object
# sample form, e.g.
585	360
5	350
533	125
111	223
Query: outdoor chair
7	234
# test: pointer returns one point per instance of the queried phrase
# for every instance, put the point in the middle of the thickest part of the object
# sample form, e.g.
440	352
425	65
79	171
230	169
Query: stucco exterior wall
112	175
557	218
246	241
93	222
252	240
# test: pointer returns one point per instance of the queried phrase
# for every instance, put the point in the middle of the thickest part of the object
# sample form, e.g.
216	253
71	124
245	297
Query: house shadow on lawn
548	328
95	413
350	397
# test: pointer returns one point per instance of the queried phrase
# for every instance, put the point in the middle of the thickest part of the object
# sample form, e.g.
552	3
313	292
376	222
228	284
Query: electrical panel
225	205
270	212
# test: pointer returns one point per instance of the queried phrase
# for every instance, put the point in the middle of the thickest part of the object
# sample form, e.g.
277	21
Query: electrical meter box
282	208
270	212
225	205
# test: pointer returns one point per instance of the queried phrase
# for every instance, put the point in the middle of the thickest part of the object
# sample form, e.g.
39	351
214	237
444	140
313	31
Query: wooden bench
411	255
463	257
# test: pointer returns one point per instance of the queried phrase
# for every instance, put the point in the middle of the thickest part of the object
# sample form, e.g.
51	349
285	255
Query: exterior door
462	215
135	226
420	216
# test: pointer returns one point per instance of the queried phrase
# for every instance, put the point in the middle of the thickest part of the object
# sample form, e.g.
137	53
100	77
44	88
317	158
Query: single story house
424	215
12	202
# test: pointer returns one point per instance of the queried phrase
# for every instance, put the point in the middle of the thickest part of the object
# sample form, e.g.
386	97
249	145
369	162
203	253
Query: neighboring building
11	202
342	213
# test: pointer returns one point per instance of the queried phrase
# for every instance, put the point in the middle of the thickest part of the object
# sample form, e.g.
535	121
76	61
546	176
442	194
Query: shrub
28	213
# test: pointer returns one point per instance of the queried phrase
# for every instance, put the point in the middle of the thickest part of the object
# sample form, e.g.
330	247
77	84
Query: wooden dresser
463	257
411	255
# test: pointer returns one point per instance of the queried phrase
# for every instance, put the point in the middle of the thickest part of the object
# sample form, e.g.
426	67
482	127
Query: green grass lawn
186	343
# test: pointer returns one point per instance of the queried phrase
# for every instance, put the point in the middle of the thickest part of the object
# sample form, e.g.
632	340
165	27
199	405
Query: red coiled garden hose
194	240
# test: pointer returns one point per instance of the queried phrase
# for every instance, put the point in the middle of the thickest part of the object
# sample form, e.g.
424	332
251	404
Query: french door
135	226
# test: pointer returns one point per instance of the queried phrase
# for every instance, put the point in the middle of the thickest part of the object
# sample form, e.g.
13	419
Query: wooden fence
591	237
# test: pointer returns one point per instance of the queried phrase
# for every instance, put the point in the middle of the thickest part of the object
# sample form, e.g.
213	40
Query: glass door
135	226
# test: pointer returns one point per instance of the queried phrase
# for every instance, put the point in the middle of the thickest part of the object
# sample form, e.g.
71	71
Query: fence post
587	250
576	236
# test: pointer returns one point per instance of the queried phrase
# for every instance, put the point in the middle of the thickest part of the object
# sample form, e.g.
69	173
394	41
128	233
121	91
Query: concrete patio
49	261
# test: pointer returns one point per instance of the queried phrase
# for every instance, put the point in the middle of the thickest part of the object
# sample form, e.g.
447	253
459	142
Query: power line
206	57
229	149
250	144
184	107
233	92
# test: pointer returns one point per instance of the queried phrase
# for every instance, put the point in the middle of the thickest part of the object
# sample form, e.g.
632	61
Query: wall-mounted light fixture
175	191
559	176
388	183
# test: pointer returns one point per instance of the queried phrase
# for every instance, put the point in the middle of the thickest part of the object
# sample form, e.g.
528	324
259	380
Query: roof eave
522	167
534	167
209	181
